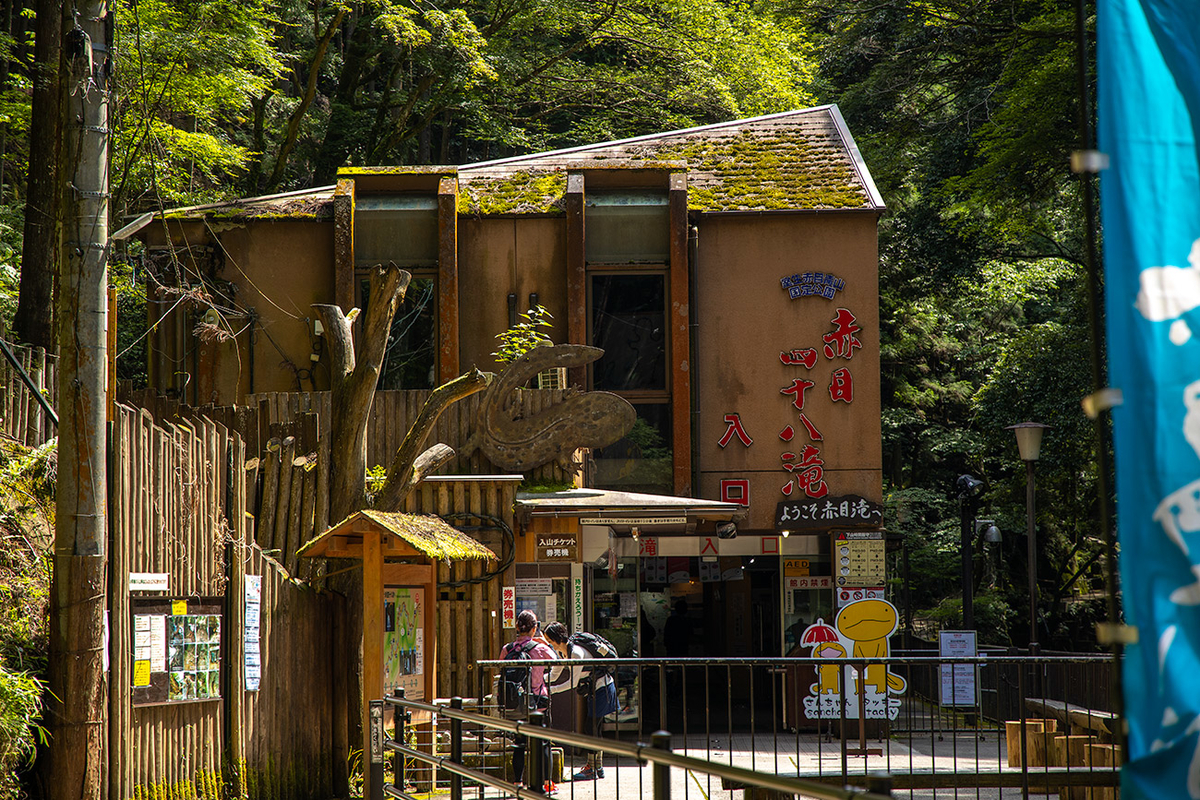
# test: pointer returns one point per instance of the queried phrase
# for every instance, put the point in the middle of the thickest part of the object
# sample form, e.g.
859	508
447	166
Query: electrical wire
510	548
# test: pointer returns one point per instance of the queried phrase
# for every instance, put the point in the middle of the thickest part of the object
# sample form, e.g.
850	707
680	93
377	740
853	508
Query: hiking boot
588	773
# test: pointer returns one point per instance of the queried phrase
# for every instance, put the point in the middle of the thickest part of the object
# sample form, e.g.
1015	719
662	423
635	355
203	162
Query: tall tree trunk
354	374
34	320
78	592
335	146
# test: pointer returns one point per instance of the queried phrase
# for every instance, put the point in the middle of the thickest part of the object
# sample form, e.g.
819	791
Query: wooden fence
177	507
21	416
287	436
290	743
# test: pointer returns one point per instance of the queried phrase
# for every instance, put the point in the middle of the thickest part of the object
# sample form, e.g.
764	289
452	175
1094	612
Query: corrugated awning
403	535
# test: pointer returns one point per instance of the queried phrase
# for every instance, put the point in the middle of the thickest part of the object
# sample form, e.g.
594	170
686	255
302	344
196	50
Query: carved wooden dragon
582	419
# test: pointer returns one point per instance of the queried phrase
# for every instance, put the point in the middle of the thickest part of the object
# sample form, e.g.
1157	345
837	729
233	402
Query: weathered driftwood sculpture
582	419
354	377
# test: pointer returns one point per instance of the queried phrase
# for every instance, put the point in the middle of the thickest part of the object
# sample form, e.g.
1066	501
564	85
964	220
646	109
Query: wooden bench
1075	719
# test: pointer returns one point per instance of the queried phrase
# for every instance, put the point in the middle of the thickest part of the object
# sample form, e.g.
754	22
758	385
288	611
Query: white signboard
148	581
534	587
959	686
252	660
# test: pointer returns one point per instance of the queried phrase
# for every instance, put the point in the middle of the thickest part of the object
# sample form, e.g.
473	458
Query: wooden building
729	272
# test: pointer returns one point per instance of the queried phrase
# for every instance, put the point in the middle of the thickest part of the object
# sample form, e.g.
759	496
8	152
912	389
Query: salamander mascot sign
861	630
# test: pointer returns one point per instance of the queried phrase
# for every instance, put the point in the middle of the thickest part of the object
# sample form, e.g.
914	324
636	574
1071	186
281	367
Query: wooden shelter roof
403	535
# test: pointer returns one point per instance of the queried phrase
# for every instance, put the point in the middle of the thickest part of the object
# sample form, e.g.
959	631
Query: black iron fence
650	770
991	726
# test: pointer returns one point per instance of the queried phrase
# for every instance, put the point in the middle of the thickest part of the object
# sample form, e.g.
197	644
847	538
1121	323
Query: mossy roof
429	535
310	204
795	161
804	160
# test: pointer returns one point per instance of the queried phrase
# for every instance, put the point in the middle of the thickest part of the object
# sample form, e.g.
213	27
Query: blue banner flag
1149	110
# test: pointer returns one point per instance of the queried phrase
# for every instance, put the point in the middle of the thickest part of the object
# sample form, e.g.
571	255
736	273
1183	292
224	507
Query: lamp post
1029	445
969	488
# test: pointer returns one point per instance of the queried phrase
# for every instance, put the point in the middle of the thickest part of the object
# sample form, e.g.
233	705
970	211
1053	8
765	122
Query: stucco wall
497	256
280	268
745	319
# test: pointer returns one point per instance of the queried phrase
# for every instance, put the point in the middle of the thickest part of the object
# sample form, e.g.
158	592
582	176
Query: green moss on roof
756	170
759	170
350	172
530	192
430	535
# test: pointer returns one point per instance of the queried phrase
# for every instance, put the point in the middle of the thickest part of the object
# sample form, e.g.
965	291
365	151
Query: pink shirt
537	675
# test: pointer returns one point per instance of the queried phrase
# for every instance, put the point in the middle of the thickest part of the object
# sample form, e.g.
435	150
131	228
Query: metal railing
963	725
657	758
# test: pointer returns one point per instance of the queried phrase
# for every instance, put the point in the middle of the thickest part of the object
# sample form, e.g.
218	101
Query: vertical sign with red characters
802	460
508	602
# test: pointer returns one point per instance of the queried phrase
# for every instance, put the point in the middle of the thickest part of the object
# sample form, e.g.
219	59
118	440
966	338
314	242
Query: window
402	229
627	227
629	324
410	361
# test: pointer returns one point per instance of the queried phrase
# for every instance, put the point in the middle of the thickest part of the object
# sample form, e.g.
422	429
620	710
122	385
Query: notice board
176	654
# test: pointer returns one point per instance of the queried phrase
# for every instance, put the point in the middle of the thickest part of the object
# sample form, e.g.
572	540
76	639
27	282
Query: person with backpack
522	688
595	683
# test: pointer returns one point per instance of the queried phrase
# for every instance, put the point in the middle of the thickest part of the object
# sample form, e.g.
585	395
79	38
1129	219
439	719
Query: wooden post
1035	742
447	278
576	271
76	713
679	322
1105	756
372	641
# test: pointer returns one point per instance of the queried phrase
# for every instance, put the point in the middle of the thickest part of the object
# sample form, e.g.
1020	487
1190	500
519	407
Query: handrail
12	359
657	753
784	661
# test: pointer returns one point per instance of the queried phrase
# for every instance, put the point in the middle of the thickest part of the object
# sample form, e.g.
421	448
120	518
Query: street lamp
969	488
1029	444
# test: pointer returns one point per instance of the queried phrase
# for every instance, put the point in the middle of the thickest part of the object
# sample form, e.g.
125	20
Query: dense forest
965	112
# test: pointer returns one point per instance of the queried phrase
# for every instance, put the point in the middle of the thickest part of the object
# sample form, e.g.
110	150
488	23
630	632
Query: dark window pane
629	324
411	358
641	461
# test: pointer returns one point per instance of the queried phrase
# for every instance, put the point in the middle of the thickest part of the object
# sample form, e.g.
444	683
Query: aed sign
796	566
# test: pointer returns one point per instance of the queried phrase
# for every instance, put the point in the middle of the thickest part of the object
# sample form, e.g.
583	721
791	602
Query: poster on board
404	640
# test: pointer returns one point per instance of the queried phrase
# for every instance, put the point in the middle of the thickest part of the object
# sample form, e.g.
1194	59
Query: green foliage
20	710
11	225
966	113
132	323
189	73
524	336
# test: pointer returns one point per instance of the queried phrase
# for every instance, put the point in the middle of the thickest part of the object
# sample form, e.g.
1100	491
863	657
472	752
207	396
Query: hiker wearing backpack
594	682
523	689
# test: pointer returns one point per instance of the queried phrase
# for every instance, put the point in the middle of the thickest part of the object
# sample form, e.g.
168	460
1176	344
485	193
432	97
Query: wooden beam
408	574
679	320
447	279
576	272
343	244
372	643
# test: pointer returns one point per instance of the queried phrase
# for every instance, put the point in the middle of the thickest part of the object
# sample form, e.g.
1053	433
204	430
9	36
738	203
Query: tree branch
403	474
310	91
